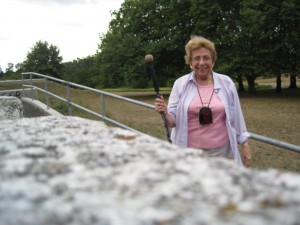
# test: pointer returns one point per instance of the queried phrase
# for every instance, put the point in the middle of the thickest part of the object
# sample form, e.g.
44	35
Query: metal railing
103	94
71	104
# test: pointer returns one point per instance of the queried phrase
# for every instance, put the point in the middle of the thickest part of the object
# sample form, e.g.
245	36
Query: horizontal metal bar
47	92
275	142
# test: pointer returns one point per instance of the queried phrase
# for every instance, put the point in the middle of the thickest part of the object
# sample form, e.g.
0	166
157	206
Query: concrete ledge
41	106
68	170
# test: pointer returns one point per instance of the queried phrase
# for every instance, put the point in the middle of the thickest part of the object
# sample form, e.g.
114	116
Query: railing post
69	98
102	106
23	89
47	95
31	88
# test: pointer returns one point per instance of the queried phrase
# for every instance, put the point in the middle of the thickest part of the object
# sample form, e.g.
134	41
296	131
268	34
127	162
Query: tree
18	67
252	40
44	59
139	28
10	73
10	69
251	37
290	17
82	71
220	22
280	29
122	49
1	72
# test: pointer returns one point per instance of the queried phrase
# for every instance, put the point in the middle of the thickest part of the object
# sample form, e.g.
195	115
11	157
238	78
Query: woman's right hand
160	105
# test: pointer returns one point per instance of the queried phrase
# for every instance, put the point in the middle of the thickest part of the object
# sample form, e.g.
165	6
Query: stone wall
68	170
10	108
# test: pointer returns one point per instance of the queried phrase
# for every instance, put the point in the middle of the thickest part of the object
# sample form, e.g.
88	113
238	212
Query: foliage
45	59
141	28
9	74
10	68
253	38
82	71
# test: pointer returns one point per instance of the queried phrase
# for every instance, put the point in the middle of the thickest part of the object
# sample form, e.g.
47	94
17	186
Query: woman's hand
246	154
160	105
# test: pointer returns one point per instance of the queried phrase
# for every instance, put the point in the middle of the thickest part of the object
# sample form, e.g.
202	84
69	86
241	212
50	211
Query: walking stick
151	75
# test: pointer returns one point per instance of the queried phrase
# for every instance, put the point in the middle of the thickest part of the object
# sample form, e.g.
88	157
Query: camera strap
201	98
205	113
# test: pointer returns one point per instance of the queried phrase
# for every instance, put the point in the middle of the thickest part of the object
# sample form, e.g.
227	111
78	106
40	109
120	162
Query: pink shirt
212	135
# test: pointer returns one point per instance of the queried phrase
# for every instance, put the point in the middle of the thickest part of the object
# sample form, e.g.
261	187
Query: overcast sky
72	25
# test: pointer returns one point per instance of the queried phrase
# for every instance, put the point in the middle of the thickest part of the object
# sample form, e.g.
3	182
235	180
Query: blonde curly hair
197	42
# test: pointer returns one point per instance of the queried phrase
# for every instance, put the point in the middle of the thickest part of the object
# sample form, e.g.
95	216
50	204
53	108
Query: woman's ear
191	66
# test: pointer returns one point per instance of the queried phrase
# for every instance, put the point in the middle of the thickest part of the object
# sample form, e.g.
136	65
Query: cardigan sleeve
238	121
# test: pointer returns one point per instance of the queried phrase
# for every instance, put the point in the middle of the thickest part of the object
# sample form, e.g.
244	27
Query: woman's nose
201	61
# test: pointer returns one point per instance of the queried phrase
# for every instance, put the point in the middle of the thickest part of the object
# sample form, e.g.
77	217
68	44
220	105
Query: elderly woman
204	108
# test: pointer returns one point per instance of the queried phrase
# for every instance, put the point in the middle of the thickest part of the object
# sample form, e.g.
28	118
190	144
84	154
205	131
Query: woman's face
202	63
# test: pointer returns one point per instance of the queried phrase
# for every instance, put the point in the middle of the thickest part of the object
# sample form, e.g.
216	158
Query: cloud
72	25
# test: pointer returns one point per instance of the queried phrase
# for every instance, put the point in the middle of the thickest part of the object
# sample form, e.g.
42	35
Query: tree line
253	38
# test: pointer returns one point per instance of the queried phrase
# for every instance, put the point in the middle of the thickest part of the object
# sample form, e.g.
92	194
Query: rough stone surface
67	170
10	108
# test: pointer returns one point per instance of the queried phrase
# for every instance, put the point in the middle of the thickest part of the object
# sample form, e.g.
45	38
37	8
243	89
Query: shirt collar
215	77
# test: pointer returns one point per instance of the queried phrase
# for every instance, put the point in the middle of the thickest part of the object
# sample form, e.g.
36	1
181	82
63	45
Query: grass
275	115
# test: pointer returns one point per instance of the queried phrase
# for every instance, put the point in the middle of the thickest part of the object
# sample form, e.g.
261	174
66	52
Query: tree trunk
278	84
251	84
240	83
293	81
293	75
